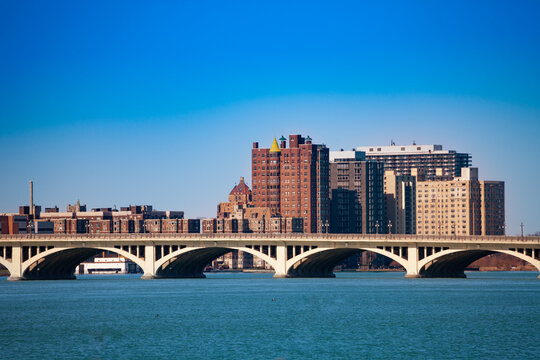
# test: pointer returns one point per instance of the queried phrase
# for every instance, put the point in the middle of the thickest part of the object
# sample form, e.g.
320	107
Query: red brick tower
294	181
266	177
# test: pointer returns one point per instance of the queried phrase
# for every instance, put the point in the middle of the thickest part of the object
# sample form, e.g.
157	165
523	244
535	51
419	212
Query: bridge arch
7	264
452	263
320	262
190	262
60	262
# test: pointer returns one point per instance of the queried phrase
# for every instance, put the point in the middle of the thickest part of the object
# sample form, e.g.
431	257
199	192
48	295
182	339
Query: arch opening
321	262
191	263
453	265
60	264
367	260
4	271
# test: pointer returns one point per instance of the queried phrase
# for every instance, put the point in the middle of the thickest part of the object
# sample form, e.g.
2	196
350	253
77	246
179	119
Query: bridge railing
268	236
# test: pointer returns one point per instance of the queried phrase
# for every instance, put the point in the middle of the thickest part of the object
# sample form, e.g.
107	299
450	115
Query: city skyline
125	113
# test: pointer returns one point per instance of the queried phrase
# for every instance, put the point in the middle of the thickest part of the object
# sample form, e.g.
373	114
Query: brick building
293	181
131	219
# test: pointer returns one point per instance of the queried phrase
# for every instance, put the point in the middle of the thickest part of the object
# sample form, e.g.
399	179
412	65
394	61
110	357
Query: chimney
31	198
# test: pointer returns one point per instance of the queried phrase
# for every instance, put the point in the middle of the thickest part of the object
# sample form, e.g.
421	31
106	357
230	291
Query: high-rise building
492	205
462	206
426	158
356	192
400	202
293	181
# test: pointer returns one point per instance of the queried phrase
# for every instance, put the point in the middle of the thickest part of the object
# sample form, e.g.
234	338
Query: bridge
51	257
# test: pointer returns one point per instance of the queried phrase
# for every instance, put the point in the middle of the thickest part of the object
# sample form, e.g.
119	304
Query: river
253	316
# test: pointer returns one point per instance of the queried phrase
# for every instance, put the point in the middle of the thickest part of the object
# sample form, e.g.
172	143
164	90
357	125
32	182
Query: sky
144	102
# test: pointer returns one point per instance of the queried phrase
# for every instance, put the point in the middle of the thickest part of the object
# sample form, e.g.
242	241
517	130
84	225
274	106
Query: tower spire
275	147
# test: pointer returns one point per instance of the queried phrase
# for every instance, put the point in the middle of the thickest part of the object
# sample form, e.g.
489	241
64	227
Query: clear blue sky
158	102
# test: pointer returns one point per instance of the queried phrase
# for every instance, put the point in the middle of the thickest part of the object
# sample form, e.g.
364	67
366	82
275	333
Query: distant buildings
132	219
426	158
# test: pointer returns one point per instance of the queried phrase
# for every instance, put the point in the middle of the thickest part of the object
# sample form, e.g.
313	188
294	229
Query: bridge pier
412	276
281	262
15	278
411	267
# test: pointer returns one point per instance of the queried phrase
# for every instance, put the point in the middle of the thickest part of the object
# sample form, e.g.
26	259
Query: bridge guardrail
267	236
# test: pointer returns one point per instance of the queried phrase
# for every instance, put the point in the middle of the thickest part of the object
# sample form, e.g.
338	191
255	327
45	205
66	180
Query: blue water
253	316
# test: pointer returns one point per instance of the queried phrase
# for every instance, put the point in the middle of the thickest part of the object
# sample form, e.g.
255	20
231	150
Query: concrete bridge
41	257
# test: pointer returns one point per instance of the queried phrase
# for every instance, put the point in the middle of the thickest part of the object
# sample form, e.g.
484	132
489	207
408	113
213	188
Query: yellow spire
275	147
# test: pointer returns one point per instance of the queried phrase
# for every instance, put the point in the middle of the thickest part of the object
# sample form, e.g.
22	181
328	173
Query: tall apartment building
462	206
293	181
426	158
400	202
492	207
356	193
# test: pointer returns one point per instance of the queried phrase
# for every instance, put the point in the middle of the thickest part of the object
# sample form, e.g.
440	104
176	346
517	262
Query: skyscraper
293	181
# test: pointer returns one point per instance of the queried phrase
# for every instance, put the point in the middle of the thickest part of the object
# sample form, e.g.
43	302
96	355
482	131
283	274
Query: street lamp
521	226
390	227
377	227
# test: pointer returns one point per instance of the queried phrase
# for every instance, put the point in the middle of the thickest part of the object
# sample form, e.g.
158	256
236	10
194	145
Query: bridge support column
16	264
149	271
281	261
412	263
